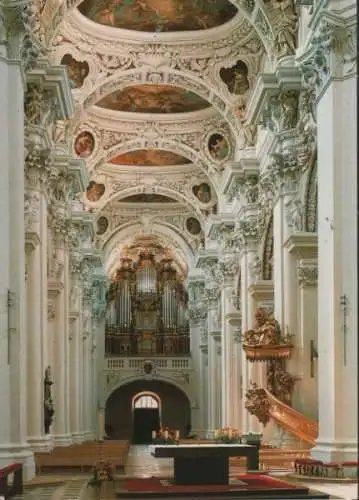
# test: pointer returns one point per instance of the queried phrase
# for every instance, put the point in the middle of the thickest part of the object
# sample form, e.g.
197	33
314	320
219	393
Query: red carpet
252	482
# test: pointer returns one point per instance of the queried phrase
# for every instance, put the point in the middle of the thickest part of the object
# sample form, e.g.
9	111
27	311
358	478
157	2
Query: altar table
205	463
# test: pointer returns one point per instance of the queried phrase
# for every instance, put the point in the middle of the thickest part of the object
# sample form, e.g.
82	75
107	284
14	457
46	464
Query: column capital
31	209
249	228
37	166
331	50
197	313
211	295
21	29
227	268
307	272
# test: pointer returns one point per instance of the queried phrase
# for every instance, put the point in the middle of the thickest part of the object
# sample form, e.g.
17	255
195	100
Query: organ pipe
147	309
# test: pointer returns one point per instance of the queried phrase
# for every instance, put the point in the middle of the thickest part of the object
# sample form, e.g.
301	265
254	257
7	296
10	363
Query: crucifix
344	308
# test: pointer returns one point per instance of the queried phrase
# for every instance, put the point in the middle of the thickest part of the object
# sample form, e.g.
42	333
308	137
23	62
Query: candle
165	434
216	433
154	434
177	436
229	433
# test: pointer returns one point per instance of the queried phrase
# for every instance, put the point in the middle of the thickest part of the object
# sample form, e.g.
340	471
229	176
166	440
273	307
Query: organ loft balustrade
147	309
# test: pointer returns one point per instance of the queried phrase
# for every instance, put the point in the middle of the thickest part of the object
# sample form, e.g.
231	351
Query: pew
82	456
8	490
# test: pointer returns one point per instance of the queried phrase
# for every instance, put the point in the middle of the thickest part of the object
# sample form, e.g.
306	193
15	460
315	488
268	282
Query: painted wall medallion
236	78
84	144
193	226
202	192
76	70
102	225
218	147
95	191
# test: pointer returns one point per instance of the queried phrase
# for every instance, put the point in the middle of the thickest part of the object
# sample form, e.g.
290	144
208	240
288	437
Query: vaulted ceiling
161	89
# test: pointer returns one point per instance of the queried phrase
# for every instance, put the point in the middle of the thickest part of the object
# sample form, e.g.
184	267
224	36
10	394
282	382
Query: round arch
196	156
165	191
171	238
175	406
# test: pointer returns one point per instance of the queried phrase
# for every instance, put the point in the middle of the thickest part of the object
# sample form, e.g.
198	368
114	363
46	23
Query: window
146	401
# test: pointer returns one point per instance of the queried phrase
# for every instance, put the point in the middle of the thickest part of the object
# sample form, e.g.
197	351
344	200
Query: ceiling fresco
159	15
150	158
153	99
147	198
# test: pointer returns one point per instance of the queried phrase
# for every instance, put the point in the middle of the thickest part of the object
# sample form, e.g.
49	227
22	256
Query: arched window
146	401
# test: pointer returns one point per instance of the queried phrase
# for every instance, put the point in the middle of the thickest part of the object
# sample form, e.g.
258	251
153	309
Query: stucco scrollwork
31	209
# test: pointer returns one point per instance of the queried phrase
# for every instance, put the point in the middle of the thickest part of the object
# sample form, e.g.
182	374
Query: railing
113	364
292	420
147	344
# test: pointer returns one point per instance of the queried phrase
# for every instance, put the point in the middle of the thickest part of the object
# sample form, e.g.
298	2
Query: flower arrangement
102	471
228	435
165	436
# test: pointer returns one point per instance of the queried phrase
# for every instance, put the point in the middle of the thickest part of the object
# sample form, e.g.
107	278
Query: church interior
179	246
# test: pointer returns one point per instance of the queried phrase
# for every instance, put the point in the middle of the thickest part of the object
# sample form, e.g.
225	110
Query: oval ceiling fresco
150	158
153	99
159	15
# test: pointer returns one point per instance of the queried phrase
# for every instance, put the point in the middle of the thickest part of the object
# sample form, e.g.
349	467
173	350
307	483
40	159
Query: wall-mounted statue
48	403
202	192
218	147
236	78
84	144
193	226
76	70
102	225
95	191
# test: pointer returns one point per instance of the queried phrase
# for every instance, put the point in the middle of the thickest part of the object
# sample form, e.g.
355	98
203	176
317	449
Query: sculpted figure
265	332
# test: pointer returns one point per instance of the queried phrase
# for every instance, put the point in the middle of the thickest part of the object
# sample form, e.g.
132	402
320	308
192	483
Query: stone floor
141	464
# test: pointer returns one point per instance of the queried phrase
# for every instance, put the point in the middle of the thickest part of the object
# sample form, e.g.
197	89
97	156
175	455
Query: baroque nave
179	223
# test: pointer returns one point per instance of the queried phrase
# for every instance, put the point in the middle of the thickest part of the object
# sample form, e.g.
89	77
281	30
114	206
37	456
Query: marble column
13	357
211	301
250	372
195	324
303	246
75	349
338	266
204	387
37	297
61	424
229	370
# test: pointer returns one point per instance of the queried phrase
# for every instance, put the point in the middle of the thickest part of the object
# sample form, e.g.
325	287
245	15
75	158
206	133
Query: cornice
219	223
262	290
55	79
206	258
304	245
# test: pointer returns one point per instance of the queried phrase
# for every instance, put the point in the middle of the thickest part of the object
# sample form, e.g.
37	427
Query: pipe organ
147	309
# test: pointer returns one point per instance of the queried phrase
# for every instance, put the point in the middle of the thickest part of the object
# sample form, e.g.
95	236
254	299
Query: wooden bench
83	456
8	490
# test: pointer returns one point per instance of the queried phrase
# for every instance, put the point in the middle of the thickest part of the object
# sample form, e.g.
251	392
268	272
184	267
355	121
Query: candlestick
177	436
154	434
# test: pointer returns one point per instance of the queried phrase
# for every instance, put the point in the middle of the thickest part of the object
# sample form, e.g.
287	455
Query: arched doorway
174	407
146	417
